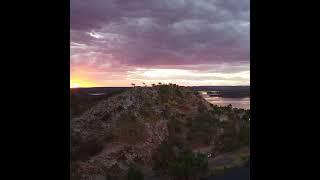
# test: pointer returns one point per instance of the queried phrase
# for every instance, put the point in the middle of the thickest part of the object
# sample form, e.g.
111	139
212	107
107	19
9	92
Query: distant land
224	91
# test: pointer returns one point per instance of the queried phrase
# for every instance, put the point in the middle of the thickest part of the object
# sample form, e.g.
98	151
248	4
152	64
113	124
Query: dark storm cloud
162	32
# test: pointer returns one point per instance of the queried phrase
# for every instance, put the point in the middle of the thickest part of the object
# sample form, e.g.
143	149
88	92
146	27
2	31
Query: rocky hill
129	127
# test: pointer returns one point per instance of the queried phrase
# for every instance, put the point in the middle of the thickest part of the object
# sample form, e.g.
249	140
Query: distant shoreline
149	86
224	91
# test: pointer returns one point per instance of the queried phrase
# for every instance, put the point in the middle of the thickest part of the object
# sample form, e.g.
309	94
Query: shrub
246	116
189	165
220	169
134	174
179	93
162	156
244	157
244	136
202	128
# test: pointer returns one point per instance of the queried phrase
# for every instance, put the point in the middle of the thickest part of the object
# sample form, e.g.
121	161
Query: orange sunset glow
76	83
80	77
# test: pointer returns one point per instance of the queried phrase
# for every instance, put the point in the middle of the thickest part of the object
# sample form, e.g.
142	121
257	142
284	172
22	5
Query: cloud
180	75
160	33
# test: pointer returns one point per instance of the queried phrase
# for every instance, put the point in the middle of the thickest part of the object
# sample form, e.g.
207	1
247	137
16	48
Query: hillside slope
128	128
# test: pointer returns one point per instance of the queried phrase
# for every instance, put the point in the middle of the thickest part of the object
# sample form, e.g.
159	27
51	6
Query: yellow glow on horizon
80	77
77	83
74	85
87	76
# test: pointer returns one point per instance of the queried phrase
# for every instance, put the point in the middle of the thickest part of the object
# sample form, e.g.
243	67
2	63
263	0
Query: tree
159	83
189	166
134	174
153	85
246	116
144	84
244	136
133	84
163	156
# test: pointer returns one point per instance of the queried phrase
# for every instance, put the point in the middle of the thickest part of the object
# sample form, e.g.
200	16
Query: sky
186	42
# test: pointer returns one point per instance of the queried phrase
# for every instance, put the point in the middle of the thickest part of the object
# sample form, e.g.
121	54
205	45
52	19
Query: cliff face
128	127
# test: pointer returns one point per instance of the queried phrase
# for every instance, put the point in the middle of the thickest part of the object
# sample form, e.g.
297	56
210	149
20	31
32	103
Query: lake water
96	94
243	103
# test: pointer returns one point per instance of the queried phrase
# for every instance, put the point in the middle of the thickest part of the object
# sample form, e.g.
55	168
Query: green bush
188	165
134	174
162	156
164	92
244	157
220	170
202	128
244	136
179	93
246	116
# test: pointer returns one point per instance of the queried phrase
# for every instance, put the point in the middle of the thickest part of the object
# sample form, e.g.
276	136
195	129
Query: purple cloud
160	33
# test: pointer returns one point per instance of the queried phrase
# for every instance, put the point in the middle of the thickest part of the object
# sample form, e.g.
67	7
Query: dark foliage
188	166
134	174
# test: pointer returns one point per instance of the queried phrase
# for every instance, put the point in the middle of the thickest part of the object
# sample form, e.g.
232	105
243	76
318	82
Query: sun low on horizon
75	85
80	77
81	84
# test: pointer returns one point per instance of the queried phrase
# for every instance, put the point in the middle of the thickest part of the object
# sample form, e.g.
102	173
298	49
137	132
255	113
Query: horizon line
157	84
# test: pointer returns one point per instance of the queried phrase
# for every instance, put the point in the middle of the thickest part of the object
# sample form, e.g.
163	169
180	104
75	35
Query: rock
143	110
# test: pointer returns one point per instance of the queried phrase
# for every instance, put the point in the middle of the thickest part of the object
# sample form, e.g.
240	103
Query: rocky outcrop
128	127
